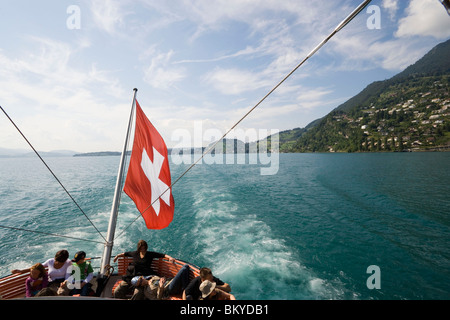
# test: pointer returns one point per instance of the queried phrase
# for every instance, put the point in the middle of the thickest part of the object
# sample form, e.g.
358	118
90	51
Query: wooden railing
13	286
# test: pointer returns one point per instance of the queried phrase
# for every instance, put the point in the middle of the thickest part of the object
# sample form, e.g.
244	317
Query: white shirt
54	273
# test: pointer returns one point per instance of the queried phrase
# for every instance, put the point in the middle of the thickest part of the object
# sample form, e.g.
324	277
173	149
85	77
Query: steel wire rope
48	233
37	153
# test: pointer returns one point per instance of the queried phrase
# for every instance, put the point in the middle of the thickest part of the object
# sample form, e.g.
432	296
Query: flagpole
116	201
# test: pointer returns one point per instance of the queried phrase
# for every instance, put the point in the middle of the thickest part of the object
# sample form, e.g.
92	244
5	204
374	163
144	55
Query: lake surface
310	231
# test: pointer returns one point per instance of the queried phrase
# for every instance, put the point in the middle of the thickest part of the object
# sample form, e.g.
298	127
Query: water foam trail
242	251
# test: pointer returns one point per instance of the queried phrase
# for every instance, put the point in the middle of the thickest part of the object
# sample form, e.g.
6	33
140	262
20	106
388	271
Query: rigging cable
339	27
47	233
52	172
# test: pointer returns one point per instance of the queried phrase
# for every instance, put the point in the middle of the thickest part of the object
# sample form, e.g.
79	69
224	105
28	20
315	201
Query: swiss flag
149	175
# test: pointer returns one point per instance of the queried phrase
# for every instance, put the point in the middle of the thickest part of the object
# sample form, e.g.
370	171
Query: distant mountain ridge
19	153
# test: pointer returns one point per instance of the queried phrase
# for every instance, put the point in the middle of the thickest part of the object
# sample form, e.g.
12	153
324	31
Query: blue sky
194	62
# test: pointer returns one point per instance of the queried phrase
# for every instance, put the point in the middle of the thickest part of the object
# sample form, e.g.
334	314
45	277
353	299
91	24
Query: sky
68	68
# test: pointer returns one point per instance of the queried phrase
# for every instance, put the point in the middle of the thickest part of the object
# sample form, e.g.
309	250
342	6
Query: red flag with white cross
148	179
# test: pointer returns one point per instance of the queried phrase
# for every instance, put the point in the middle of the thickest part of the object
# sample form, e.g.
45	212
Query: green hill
410	111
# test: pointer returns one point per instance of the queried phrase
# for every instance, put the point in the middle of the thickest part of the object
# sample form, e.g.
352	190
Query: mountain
100	154
408	112
14	153
435	63
286	141
6	153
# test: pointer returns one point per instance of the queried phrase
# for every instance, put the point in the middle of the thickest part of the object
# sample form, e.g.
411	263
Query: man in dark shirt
192	291
142	264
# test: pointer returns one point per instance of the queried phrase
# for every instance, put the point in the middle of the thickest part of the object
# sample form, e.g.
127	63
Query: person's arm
68	276
160	291
88	279
222	285
170	258
45	281
119	256
224	295
28	289
45	264
20	271
90	275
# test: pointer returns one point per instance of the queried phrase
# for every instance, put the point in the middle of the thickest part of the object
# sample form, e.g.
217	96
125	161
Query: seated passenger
37	280
158	288
82	274
58	269
142	260
192	291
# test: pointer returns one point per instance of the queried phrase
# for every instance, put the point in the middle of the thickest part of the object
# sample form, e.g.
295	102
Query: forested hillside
410	111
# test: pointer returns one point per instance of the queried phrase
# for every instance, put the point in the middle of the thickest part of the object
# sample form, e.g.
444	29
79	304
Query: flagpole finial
446	4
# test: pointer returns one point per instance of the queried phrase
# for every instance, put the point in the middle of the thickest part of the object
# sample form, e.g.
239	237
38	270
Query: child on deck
37	280
82	274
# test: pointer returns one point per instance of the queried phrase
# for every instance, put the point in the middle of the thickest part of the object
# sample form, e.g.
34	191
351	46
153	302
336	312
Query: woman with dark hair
58	269
141	266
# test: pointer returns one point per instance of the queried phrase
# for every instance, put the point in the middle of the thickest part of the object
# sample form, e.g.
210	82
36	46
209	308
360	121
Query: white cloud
425	18
235	81
309	98
393	55
247	51
391	6
108	14
56	103
161	73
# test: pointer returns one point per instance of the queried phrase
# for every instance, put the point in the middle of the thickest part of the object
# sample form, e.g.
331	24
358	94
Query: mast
116	201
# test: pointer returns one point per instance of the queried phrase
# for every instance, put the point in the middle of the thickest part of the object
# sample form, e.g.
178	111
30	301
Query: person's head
62	256
79	257
206	274
207	289
37	271
142	246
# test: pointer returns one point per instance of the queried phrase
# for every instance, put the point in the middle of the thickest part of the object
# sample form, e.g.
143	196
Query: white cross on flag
148	177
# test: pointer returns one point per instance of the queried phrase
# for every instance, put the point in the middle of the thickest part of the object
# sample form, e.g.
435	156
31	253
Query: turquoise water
308	232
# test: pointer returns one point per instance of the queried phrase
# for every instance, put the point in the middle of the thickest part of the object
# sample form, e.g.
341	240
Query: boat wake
242	250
